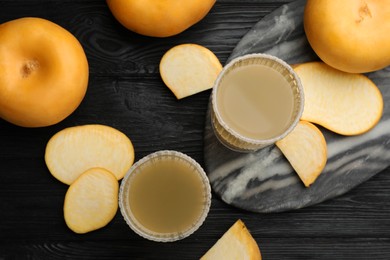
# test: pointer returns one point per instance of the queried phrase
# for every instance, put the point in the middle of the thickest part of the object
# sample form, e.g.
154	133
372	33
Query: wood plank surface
125	91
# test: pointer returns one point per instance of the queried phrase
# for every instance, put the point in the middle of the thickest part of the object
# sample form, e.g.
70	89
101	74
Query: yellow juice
166	196
255	101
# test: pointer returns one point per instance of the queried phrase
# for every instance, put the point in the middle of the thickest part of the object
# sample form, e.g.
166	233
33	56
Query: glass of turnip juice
165	196
257	100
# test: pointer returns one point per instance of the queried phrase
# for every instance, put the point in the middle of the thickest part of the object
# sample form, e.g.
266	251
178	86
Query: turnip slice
188	69
345	103
74	150
91	201
306	150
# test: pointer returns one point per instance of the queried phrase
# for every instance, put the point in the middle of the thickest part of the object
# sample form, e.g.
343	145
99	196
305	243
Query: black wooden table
126	92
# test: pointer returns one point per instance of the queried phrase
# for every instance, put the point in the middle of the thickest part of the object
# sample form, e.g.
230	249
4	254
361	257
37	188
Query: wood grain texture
125	91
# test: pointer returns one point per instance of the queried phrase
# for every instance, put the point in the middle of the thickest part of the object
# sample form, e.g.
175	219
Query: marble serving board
264	181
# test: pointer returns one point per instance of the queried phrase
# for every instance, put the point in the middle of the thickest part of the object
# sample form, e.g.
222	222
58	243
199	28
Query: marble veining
264	181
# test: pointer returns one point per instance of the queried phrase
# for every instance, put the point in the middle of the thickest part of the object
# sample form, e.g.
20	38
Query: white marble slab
264	181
